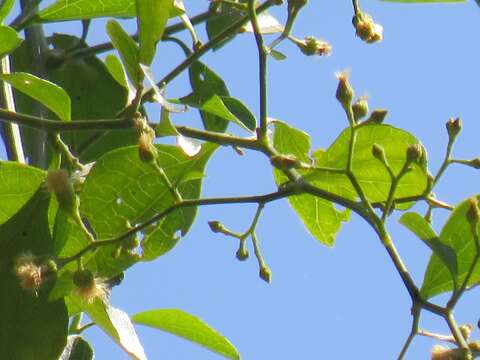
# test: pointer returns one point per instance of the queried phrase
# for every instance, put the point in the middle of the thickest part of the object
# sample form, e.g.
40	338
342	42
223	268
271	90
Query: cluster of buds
146	149
312	46
366	29
31	273
89	287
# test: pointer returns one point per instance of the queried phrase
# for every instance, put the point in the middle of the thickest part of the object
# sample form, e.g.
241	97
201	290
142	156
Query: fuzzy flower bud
475	163
360	108
345	91
453	128
473	213
366	29
216	226
242	254
313	46
90	287
265	274
146	150
379	153
285	162
59	183
466	329
415	153
377	116
29	272
440	352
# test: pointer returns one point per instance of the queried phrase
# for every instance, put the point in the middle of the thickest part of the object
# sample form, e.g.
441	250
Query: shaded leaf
226	15
127	49
49	94
319	215
422	229
77	348
31	327
152	16
180	323
165	126
115	68
457	235
9	40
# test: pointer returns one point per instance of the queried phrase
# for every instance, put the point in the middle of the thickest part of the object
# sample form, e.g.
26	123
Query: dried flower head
89	287
29	272
366	29
313	46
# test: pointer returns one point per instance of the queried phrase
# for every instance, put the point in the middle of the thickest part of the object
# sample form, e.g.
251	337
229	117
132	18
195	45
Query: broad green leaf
5	7
9	40
63	10
49	94
116	324
370	172
422	229
31	326
180	323
127	49
456	234
115	68
319	215
18	183
152	16
222	107
134	194
277	55
77	348
226	15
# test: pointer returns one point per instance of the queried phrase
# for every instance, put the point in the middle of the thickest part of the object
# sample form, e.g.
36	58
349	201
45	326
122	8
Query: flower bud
360	108
378	152
265	274
345	91
242	254
313	46
473	213
475	163
216	226
90	287
453	128
60	183
440	352
377	116
366	29
285	162
146	150
29	272
466	330
415	153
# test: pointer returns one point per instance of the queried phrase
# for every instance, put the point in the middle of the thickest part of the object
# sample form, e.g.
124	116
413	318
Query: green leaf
226	14
49	94
217	106
5	8
370	172
31	326
165	126
77	348
319	215
18	183
9	40
180	323
116	324
206	83
456	234
115	68
422	229
135	194
127	48
152	16
277	55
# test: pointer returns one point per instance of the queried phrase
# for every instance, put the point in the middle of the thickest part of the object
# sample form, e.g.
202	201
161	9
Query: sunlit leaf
115	68
5	8
77	348
180	323
152	16
457	235
9	40
46	92
319	215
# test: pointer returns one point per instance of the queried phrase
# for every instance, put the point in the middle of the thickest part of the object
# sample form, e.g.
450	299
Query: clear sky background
345	302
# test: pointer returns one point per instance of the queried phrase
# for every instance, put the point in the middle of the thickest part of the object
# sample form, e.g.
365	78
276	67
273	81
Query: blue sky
342	302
